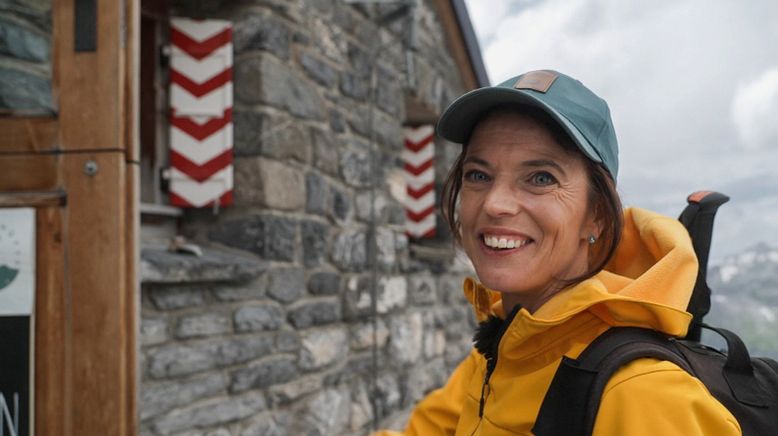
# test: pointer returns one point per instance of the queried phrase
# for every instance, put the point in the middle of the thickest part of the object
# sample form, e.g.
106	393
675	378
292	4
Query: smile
504	242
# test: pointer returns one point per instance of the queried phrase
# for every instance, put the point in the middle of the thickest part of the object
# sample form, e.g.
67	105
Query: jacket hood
648	283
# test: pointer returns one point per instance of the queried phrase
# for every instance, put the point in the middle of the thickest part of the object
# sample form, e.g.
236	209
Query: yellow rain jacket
647	284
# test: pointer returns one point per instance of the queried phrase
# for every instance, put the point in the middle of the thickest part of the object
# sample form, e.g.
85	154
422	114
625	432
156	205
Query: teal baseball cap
580	112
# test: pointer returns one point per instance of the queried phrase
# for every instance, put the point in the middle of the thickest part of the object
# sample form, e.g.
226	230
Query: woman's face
524	210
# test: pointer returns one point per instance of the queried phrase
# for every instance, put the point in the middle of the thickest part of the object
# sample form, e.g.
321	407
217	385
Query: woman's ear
594	222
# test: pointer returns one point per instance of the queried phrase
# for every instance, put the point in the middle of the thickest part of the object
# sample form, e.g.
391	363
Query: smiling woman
532	201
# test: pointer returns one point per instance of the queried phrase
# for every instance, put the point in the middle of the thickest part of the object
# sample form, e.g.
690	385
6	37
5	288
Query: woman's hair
603	199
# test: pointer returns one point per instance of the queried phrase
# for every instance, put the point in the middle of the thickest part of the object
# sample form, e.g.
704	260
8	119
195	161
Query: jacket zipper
492	363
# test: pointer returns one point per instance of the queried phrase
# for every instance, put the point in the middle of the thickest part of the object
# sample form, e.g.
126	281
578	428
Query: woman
533	203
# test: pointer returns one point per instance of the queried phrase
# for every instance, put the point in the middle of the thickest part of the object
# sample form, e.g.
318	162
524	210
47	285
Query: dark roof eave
471	42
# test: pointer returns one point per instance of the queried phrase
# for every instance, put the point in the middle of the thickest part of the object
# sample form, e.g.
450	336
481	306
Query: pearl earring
592	239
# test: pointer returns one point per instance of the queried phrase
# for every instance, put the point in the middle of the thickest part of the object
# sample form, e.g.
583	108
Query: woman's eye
543	178
476	176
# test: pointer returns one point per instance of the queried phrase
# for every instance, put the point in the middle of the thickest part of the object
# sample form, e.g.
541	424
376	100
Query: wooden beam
52	327
96	270
33	199
132	210
96	97
28	134
29	172
456	43
89	84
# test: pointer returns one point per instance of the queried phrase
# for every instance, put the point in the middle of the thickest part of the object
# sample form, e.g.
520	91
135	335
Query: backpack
747	386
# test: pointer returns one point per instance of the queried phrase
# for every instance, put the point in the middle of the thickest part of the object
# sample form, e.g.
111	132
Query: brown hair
603	198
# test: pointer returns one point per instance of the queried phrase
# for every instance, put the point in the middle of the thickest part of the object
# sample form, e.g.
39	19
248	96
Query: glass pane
25	57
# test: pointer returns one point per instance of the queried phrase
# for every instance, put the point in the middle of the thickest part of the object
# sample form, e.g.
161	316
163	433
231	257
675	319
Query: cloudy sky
692	86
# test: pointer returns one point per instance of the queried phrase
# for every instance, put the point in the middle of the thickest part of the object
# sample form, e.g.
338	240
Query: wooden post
79	169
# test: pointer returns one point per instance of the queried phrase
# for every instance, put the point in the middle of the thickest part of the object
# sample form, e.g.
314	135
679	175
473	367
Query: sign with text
17	302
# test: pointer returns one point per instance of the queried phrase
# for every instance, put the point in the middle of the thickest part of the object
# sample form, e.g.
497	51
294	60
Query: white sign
17	261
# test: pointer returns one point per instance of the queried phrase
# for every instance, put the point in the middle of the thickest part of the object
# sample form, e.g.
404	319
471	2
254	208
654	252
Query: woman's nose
501	201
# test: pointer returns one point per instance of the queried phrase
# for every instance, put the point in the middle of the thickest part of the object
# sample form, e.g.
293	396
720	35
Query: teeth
496	242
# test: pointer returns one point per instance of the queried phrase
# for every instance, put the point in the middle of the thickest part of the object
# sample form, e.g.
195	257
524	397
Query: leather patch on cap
539	80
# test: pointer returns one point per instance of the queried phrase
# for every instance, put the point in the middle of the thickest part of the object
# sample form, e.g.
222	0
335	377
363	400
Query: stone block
263	373
159	266
434	343
337	122
258	317
360	60
406	338
288	341
386	255
354	86
422	289
175	359
261	32
316	193
319	70
275	423
325	152
387	396
340	204
315	237
286	393
269	183
249	130
326	413
392	293
266	80
349	251
250	291
324	283
387	210
389	96
322	347
388	131
153	330
357	298
355	167
158	398
450	289
269	236
181	359
315	312
361	408
365	335
199	325
211	413
176	297
422	379
287	140
286	284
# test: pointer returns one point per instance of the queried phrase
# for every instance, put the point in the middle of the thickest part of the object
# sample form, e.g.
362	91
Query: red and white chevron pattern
201	112
418	156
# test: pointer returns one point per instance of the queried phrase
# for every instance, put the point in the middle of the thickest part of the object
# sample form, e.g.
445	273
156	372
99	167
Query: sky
692	86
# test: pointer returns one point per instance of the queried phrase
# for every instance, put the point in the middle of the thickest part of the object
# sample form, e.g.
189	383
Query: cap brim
460	117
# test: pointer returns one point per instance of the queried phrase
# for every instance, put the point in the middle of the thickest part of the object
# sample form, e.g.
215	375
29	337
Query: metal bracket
85	25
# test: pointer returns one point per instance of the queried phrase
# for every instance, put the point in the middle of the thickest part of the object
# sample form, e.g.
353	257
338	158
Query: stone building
303	307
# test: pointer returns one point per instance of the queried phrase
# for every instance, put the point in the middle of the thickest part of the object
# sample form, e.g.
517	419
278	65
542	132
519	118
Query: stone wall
25	57
290	323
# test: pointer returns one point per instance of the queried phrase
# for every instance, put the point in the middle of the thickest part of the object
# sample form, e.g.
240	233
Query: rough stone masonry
284	345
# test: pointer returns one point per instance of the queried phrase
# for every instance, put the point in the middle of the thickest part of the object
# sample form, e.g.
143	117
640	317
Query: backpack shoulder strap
573	398
698	218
